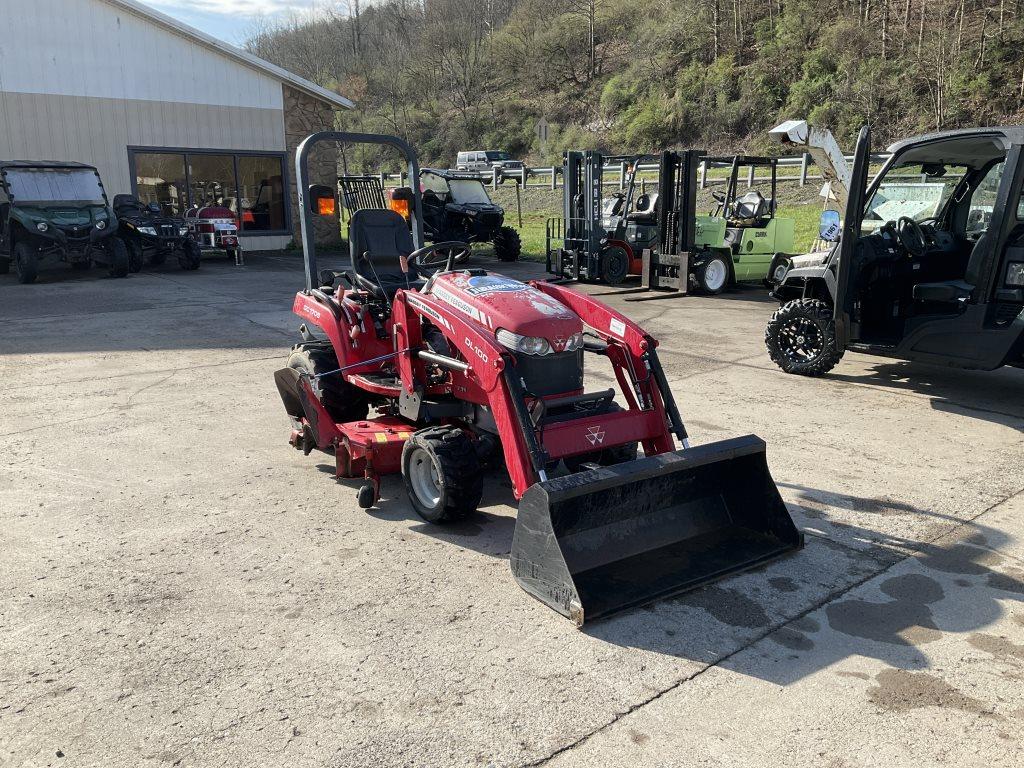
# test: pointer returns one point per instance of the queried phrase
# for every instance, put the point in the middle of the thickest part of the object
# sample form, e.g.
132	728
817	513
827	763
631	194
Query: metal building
160	108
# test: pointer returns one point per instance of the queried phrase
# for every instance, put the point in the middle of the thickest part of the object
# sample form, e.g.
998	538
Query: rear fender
809	283
333	325
300	402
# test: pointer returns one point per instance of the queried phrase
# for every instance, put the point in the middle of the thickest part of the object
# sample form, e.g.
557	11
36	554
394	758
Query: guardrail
617	174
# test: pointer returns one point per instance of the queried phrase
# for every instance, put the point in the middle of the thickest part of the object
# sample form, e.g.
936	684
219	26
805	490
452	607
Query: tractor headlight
148	231
575	342
42	226
101	224
1015	274
529	345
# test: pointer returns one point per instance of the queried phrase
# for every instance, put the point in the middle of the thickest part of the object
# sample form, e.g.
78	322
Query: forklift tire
191	256
713	276
26	263
442	476
507	245
339	398
801	338
614	265
118	255
135	256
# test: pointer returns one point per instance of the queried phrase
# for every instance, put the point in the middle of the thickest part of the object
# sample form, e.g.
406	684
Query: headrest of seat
646	207
381	233
751	206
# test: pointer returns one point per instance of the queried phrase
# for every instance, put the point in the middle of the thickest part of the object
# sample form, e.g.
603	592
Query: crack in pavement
829	598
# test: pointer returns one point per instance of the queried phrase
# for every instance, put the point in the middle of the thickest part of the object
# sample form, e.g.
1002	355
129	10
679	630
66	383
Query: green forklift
746	224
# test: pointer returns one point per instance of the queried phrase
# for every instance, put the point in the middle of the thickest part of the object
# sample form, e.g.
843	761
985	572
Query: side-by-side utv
463	368
928	265
56	211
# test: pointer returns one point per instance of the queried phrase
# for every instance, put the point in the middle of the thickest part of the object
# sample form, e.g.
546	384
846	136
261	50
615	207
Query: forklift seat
750	207
646	211
949	291
378	238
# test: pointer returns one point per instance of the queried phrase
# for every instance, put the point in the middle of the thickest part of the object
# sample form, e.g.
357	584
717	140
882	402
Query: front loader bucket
613	538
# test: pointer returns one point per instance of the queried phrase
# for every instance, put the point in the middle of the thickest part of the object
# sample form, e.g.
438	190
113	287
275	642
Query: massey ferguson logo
595	435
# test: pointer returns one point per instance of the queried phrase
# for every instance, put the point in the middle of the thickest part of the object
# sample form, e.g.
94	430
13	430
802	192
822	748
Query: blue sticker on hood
484	284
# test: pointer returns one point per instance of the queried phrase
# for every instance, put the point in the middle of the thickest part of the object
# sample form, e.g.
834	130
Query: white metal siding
90	48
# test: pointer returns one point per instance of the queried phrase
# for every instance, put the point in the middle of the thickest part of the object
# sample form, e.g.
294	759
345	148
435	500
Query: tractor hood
495	302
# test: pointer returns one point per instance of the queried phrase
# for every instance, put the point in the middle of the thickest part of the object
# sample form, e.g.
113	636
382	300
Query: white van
485	160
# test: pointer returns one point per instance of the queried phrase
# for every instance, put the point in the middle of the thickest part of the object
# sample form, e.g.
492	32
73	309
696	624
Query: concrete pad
176	575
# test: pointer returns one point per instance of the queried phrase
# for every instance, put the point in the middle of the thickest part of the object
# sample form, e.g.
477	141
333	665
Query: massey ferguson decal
481	285
428	310
595	435
442	294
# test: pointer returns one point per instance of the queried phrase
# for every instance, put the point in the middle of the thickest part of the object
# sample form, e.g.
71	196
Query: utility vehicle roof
44	164
972	147
446	174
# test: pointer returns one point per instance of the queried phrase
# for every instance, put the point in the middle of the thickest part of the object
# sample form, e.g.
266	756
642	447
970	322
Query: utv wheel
713	275
801	338
135	256
442	474
339	398
507	245
614	265
190	256
118	255
26	263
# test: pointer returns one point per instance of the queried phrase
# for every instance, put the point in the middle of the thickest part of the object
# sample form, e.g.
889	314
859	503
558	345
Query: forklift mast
582	214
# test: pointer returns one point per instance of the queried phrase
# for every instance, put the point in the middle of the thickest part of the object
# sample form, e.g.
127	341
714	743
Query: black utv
148	234
56	211
456	206
928	263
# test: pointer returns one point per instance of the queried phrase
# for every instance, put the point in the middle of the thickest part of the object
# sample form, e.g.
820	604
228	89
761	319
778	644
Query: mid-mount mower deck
463	366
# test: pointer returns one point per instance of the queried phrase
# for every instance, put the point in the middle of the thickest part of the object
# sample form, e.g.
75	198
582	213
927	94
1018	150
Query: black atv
147	233
59	211
456	206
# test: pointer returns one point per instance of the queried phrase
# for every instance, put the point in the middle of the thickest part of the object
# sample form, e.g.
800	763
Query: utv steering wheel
449	253
911	236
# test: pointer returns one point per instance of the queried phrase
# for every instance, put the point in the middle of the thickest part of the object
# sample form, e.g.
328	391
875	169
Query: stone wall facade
304	115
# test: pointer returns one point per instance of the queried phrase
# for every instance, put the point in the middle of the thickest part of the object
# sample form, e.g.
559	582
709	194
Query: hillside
464	74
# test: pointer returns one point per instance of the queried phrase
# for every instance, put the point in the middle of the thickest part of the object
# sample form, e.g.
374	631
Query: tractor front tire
191	256
117	253
136	258
26	263
614	265
507	245
442	476
339	398
801	338
713	275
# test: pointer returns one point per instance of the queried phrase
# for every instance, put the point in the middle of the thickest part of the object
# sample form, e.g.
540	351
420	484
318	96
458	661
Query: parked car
147	233
56	211
484	160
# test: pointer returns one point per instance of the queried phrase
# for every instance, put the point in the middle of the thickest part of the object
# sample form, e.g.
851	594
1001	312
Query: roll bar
302	183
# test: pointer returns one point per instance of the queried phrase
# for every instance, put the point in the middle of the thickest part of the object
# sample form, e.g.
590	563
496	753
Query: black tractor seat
750	209
378	239
646	211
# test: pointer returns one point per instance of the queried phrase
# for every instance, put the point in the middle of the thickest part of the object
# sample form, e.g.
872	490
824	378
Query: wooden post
523	172
750	177
803	168
383	179
494	177
703	174
554	179
401	178
622	176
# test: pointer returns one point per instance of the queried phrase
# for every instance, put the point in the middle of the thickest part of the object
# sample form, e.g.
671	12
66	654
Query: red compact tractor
464	369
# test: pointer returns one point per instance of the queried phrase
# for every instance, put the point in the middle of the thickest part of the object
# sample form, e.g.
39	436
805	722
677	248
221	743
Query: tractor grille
555	374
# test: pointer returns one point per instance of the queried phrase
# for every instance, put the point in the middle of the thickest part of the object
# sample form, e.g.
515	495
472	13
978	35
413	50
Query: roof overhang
208	41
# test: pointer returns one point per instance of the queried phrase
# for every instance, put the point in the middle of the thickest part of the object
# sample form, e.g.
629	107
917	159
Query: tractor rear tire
801	338
441	471
117	253
191	256
614	265
339	398
507	245
26	263
713	276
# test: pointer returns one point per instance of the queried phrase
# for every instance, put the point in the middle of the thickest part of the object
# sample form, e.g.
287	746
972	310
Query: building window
252	186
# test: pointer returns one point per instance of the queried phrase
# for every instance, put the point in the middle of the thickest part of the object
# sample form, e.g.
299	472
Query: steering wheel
448	253
911	236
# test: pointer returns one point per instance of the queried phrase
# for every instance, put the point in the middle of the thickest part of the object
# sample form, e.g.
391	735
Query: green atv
738	241
56	211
